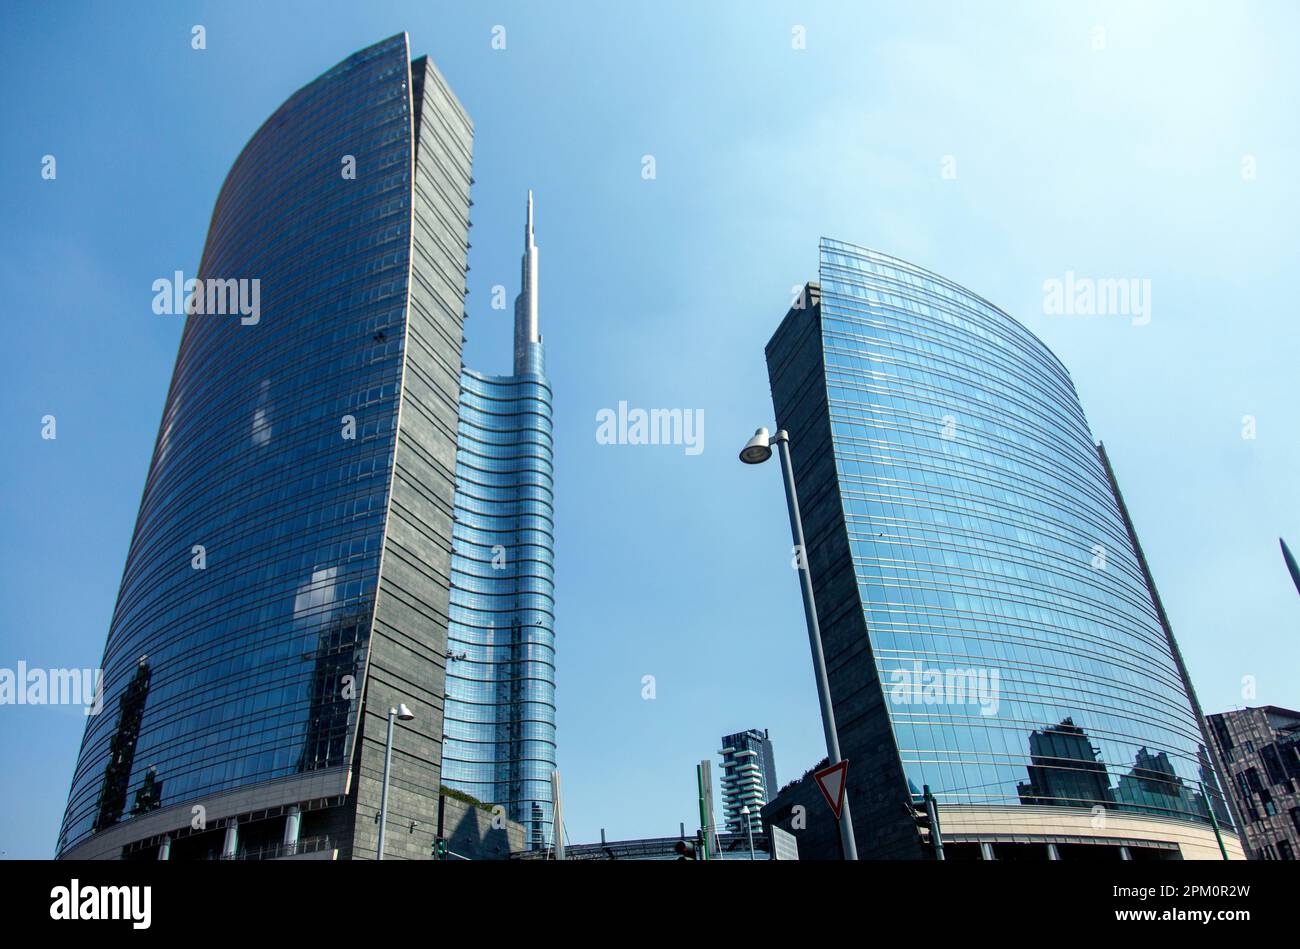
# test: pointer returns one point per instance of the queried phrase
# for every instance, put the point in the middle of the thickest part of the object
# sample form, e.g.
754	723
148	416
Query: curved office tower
287	581
500	712
991	629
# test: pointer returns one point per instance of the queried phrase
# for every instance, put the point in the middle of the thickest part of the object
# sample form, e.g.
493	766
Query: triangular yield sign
831	781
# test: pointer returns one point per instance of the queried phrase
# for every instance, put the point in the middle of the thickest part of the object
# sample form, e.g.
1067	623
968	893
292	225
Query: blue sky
1120	161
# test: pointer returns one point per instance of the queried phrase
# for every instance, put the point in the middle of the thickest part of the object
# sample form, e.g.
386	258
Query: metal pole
932	812
782	439
383	793
557	816
749	832
706	805
440	843
1209	802
702	775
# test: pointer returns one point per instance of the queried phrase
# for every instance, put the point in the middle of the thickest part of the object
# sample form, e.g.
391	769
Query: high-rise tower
500	709
748	777
990	625
287	582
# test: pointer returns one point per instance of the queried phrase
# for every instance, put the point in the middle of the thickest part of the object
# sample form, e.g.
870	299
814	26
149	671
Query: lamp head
757	450
403	713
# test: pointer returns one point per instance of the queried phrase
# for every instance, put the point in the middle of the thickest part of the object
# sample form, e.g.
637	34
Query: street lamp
406	715
756	451
749	829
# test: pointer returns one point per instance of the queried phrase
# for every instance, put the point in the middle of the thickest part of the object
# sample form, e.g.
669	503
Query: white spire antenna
526	303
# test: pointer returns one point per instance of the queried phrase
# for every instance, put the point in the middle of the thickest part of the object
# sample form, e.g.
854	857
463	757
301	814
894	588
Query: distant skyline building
287	581
1084	782
1260	749
990	625
500	711
748	777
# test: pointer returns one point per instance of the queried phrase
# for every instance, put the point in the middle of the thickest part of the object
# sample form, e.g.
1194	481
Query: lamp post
405	714
756	451
749	829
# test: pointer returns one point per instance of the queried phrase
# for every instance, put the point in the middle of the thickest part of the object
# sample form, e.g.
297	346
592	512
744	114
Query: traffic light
687	850
440	848
925	815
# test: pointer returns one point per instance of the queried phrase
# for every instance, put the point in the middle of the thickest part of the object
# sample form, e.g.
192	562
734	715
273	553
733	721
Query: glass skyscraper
287	581
990	625
500	711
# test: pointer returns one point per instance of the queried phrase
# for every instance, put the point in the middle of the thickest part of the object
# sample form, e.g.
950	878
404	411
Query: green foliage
464	798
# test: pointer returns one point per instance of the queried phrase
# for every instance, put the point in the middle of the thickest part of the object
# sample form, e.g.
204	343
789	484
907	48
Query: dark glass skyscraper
287	582
500	712
990	625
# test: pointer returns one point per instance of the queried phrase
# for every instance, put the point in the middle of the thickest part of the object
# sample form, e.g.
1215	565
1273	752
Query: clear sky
1170	153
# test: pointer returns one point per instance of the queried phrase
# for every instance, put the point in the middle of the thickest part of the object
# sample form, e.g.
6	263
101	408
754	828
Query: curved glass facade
500	713
250	586
1008	624
499	717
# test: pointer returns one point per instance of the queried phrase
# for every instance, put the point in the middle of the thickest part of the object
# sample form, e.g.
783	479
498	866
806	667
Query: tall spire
526	303
1291	566
528	225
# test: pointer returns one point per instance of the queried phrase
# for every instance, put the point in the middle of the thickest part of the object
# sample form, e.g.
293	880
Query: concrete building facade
1260	751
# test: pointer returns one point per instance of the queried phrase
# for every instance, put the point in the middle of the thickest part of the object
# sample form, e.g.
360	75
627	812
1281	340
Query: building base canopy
1065	833
197	829
1014	832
